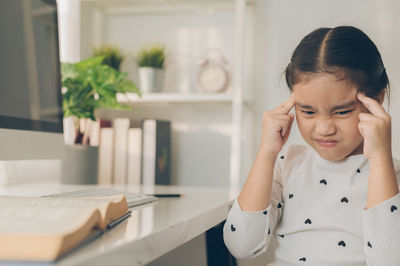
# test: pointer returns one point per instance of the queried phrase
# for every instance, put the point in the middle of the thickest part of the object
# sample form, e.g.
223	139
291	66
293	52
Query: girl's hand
375	127
277	124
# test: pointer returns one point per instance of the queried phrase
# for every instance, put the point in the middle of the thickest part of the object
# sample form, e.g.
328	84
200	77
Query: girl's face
327	116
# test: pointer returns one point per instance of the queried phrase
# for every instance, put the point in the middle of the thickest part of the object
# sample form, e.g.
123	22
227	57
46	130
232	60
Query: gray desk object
153	230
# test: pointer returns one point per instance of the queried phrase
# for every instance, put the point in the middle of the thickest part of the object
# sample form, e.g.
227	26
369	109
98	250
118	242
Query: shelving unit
175	98
102	19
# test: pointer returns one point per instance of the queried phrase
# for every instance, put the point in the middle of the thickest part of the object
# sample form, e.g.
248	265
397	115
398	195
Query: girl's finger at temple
286	128
363	127
372	105
289	118
286	117
364	117
283	124
286	106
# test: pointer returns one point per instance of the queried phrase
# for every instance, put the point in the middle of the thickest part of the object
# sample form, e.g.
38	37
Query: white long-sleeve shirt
318	215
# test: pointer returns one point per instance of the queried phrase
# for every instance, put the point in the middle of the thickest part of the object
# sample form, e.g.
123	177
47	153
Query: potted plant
151	68
112	55
87	85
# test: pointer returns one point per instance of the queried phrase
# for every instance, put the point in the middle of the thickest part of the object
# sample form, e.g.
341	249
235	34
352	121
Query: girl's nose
325	126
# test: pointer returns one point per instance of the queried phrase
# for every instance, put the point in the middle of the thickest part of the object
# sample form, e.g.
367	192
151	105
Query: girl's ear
381	96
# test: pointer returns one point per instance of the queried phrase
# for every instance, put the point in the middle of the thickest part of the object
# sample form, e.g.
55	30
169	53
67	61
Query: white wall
186	36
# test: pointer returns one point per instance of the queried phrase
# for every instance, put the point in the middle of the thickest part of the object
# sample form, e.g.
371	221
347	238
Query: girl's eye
308	112
344	112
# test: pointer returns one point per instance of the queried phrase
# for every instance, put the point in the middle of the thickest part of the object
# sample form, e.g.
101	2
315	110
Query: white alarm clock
213	76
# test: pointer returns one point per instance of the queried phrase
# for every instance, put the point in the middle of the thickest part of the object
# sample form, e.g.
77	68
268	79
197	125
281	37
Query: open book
43	228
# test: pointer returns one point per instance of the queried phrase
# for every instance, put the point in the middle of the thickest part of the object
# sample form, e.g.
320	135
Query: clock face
212	78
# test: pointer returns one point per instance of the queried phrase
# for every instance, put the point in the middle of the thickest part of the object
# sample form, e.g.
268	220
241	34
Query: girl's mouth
327	143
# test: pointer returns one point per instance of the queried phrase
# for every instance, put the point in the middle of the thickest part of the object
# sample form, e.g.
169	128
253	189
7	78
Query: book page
50	215
38	218
104	197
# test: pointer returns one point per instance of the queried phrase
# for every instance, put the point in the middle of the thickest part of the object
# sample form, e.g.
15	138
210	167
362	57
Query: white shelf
175	98
121	7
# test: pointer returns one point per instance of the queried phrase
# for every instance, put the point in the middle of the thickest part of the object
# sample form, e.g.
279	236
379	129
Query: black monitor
30	89
30	93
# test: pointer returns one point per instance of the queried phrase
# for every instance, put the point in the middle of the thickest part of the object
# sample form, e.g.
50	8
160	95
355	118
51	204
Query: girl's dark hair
344	51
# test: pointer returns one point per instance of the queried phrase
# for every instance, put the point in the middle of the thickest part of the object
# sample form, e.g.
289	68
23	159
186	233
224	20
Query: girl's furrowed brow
337	107
304	106
344	105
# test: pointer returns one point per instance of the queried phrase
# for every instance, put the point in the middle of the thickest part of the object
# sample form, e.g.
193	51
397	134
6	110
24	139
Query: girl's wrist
268	154
381	159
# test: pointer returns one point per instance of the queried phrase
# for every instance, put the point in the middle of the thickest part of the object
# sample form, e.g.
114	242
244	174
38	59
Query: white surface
153	230
22	171
30	145
69	19
133	99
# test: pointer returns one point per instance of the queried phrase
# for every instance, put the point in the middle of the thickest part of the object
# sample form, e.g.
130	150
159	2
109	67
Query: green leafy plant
153	56
112	55
92	84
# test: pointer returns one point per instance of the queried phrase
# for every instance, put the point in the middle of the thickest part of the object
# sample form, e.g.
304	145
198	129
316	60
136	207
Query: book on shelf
135	151
134	156
45	228
120	126
106	153
156	152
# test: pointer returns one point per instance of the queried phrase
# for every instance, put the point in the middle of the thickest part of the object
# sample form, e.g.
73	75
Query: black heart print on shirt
344	199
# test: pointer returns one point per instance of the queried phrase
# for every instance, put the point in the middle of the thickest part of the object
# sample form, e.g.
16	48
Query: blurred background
223	67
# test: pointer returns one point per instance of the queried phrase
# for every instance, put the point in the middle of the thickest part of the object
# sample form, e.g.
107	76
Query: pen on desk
165	195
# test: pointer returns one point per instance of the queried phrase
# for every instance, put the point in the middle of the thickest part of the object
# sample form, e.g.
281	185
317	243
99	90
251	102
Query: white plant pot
151	79
80	164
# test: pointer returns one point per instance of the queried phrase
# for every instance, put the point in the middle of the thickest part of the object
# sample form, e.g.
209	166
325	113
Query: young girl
336	202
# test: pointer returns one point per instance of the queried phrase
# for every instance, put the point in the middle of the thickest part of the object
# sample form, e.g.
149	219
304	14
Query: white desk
153	229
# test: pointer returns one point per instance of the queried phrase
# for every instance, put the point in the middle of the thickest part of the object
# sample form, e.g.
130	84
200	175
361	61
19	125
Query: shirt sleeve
381	229
248	234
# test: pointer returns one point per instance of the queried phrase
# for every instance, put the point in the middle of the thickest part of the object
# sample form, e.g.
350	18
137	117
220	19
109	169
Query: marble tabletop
153	230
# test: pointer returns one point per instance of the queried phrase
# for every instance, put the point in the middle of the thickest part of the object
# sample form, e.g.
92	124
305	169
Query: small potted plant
112	55
91	84
151	68
87	85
